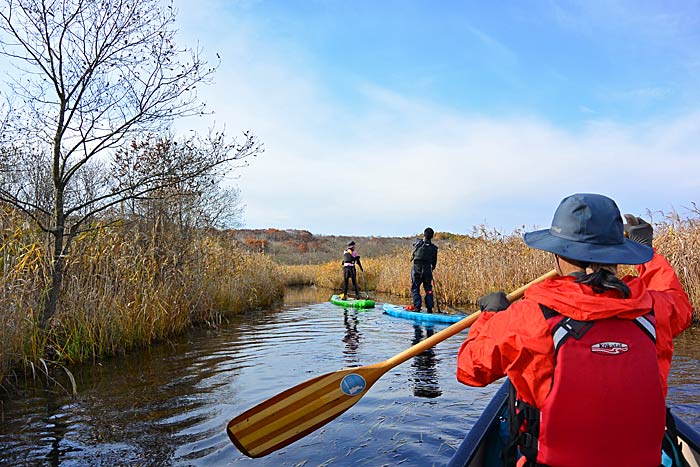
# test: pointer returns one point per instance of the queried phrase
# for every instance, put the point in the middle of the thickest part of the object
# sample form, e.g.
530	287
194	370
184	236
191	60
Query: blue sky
383	117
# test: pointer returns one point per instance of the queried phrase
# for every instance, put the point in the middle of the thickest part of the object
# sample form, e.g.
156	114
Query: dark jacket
425	253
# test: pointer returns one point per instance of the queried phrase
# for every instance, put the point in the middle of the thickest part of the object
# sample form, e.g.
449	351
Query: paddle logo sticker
353	384
610	348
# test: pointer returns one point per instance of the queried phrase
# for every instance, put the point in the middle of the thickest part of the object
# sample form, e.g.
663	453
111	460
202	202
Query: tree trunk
56	283
57	232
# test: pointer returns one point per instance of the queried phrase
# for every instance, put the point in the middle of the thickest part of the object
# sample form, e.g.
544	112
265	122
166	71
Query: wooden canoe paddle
298	411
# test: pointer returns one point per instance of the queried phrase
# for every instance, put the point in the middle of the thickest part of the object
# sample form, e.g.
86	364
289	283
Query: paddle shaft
298	411
364	282
437	296
457	327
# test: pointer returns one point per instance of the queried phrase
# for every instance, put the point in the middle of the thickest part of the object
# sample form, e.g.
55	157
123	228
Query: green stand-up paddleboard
335	299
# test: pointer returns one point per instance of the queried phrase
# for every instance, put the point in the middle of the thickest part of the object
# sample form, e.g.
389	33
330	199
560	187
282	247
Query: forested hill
303	247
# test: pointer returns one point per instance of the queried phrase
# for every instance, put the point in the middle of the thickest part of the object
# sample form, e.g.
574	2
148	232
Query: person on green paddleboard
350	257
424	259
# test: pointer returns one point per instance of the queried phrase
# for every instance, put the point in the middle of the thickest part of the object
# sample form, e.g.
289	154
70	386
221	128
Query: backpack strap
521	414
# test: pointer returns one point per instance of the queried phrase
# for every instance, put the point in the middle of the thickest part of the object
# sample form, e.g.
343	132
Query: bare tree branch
92	75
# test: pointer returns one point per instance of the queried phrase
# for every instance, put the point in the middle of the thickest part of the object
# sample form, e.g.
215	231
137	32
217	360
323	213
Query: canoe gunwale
690	437
469	452
470	447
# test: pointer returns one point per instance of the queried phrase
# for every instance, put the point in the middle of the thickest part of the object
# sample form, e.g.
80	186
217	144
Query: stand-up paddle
436	296
298	411
364	282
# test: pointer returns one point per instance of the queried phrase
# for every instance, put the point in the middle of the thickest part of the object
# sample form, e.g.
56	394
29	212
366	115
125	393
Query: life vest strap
521	414
565	328
646	325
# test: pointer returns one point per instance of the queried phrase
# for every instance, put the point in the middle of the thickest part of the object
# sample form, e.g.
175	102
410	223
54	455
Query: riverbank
131	285
470	266
126	286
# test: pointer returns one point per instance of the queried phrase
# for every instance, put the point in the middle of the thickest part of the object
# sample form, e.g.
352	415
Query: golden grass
679	241
123	288
471	266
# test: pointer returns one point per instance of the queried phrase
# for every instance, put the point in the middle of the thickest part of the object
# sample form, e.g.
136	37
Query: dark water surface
169	406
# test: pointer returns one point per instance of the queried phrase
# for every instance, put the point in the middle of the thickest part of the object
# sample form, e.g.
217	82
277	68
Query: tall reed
124	287
468	267
471	266
678	239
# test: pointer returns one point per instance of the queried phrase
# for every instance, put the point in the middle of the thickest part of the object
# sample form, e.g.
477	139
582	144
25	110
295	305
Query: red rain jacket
517	342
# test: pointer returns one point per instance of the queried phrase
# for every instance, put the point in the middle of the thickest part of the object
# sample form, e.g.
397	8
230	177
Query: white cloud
389	164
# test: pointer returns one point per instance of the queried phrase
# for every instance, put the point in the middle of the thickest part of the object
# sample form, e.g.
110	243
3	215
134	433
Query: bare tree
90	75
190	203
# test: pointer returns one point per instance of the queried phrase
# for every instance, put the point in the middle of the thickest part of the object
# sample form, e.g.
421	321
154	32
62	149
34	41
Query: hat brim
628	252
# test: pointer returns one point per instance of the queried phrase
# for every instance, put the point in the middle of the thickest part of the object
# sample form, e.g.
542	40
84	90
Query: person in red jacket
588	354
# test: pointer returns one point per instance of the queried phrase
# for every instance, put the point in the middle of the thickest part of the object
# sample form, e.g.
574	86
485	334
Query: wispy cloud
389	163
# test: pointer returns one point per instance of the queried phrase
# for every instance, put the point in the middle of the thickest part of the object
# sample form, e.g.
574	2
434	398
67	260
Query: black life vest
348	258
424	253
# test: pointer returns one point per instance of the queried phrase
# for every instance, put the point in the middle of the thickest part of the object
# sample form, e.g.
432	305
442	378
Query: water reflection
169	405
304	295
425	378
351	337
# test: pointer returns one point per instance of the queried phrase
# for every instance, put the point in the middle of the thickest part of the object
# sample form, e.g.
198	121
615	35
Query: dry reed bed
123	288
471	266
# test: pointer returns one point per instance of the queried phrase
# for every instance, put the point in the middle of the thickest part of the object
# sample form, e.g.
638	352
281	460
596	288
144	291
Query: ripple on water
169	405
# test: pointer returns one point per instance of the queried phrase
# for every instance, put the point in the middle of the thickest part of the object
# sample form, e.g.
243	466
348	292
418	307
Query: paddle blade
296	412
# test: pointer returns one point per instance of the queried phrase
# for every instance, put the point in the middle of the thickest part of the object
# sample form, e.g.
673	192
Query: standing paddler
350	257
424	259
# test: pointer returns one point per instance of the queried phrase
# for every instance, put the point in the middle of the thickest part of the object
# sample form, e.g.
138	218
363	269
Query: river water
169	405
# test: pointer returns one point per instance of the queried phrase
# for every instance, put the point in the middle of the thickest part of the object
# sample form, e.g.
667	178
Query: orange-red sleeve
479	360
665	288
672	309
514	342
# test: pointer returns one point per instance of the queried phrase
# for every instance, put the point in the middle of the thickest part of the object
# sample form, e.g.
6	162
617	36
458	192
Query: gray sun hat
588	227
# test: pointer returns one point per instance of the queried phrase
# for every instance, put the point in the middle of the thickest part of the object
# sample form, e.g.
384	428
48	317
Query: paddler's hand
495	301
639	230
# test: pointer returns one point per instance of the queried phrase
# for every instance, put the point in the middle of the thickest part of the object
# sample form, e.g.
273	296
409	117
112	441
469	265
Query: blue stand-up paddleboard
401	312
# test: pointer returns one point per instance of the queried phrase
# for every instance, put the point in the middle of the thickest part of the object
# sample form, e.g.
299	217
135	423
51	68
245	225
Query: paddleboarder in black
424	261
350	257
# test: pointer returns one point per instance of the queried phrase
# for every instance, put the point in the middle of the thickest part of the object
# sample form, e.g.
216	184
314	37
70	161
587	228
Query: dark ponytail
603	280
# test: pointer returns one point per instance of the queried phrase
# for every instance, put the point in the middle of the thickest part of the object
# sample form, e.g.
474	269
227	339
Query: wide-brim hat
351	243
588	227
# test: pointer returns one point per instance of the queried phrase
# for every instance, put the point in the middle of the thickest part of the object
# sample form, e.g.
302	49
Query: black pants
422	275
350	273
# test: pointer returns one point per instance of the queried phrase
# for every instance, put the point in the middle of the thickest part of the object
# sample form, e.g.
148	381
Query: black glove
495	301
639	230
